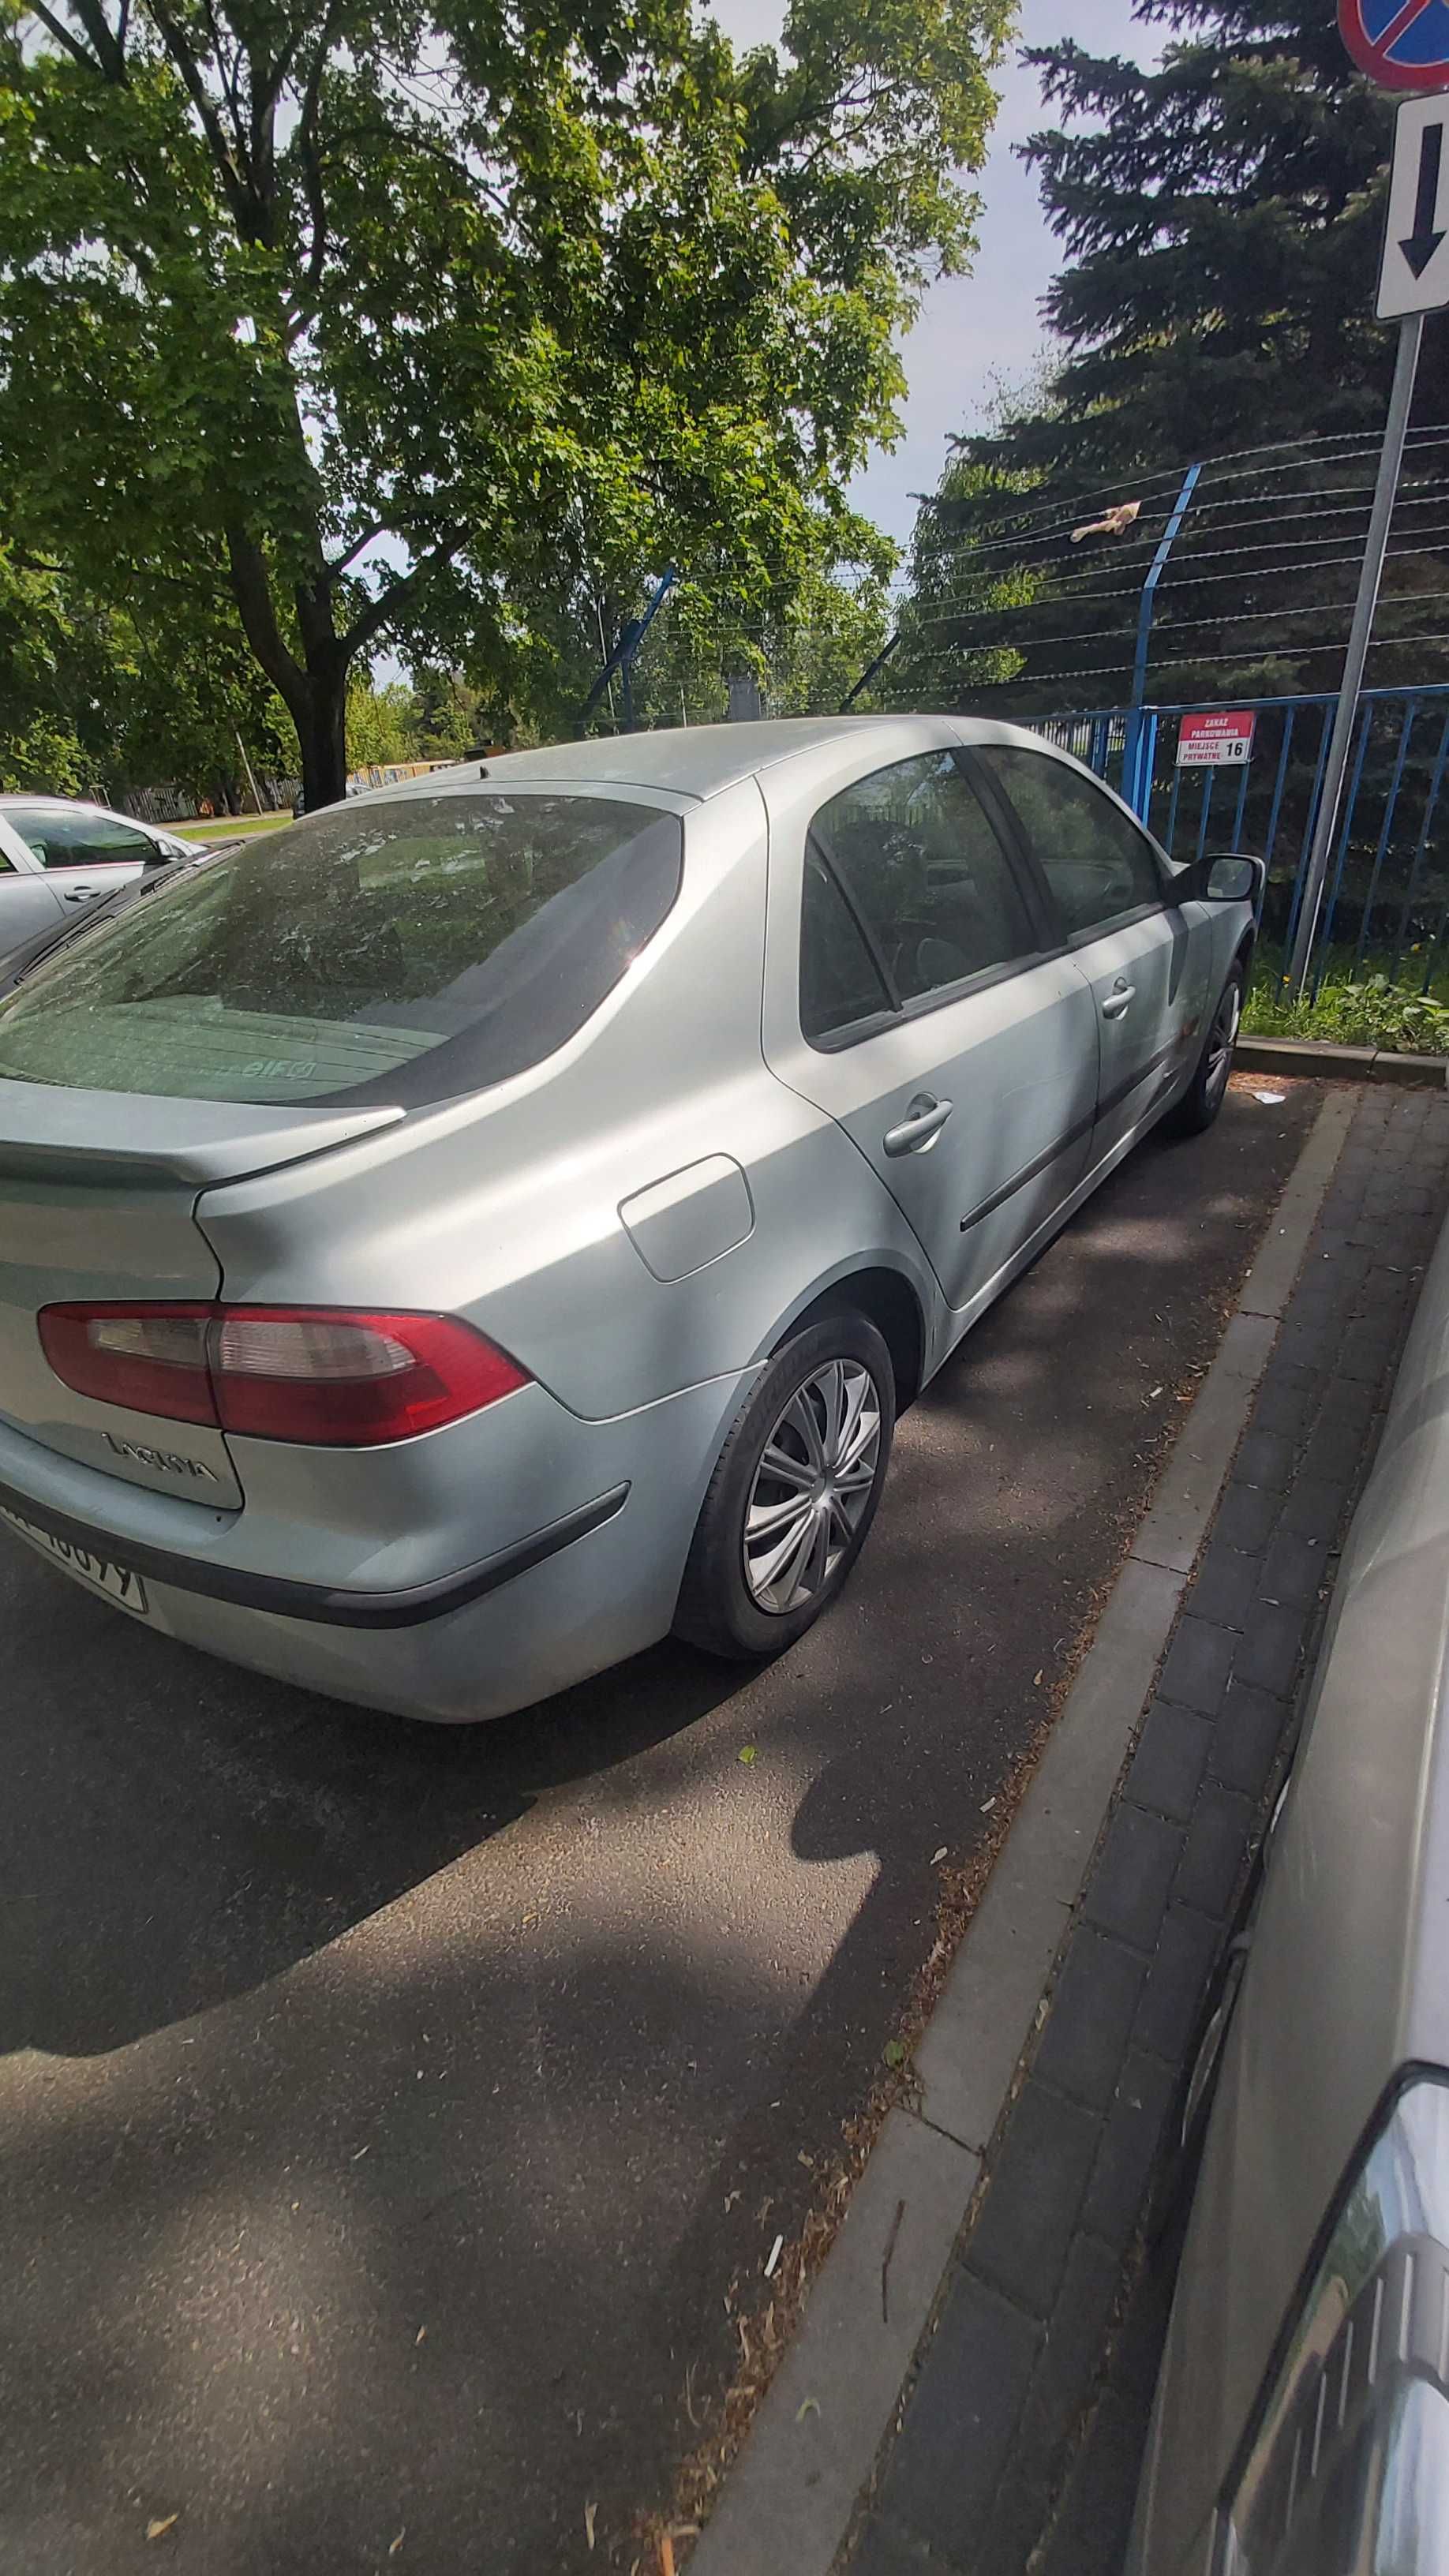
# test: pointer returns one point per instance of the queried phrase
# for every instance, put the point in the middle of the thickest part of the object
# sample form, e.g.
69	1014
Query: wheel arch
888	1300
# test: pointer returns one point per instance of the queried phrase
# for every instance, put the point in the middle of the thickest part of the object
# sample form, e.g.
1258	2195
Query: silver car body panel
639	1219
1347	1982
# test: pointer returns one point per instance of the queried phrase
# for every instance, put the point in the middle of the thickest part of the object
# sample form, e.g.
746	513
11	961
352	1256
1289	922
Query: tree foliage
1221	217
402	319
94	700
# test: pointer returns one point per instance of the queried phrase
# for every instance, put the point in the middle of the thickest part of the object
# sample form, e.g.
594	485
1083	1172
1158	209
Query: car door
29	904
84	852
927	1015
1111	889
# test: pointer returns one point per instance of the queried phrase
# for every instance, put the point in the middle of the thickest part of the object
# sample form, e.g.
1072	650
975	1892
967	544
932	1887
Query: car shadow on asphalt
176	1831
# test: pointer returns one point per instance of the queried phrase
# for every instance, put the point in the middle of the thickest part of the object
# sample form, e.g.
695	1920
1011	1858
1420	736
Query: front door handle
79	894
1120	999
920	1127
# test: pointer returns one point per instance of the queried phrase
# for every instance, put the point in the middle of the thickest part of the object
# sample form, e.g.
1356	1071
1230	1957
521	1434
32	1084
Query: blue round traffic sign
1401	44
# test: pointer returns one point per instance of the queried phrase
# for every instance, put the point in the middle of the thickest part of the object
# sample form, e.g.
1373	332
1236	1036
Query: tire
836	1376
1207	1091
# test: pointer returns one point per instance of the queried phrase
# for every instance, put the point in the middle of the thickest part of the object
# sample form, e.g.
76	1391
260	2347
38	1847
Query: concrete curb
789	2498
1319	1057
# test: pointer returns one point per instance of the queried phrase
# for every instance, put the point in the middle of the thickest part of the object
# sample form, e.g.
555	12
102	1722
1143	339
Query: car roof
697	761
15	800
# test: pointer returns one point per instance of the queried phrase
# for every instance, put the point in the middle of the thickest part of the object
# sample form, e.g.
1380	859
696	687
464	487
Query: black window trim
843	888
996	798
1024	874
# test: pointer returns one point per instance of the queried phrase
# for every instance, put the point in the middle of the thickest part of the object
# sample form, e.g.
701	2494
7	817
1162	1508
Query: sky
972	330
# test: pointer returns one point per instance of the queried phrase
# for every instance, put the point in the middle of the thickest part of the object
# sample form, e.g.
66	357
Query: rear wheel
794	1494
1205	1095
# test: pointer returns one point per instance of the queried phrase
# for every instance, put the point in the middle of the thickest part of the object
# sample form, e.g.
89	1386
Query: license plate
116	1582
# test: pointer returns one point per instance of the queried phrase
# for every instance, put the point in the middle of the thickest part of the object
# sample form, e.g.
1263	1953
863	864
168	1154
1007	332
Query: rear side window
840	983
926	874
1097	863
78	840
404	952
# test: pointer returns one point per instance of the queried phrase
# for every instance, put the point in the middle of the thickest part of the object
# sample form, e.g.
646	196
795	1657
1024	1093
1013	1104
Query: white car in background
56	855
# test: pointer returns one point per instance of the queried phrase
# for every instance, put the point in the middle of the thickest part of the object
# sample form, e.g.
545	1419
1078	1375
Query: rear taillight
308	1373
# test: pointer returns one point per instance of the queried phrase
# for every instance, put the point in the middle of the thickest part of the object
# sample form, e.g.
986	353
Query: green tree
388	318
447	714
1221	216
380	723
93	699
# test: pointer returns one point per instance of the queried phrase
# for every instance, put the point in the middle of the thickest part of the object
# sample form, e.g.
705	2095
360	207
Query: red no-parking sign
1401	44
1219	738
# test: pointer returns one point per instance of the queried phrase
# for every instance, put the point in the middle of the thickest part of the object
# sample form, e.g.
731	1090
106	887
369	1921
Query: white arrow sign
1414	277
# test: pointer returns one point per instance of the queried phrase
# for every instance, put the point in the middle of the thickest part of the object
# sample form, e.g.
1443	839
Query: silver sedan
57	855
449	1244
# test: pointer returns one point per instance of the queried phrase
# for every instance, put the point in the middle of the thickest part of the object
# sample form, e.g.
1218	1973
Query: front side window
406	952
926	874
79	840
1095	860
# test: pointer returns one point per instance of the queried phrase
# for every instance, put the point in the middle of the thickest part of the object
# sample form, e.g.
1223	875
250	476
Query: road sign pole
1386	492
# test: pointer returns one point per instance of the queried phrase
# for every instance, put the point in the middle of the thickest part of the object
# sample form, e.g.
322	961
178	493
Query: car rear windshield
408	951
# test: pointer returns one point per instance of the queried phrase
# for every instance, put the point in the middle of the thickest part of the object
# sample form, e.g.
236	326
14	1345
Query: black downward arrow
1420	245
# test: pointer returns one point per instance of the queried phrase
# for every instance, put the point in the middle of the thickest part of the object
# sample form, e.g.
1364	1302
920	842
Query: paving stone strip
1000	2422
1022	2418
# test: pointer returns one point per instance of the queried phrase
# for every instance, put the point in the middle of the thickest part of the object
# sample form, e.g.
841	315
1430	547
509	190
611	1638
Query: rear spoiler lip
55	1135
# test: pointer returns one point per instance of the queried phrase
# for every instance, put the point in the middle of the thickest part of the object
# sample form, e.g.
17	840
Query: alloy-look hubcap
811	1486
1223	1039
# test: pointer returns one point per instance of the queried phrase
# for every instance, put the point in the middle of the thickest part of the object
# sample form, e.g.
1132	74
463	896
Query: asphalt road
384	2111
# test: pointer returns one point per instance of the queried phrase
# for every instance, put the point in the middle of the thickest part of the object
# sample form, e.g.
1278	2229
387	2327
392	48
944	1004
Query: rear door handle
78	894
1120	999
920	1127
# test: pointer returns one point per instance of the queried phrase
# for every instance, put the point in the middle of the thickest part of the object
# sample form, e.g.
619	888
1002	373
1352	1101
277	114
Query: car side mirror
1232	880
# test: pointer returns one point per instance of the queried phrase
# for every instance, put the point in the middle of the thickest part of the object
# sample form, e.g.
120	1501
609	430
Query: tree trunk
322	733
314	689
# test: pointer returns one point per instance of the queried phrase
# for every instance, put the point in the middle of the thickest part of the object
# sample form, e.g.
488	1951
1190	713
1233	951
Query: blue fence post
1139	758
1170	831
1365	729
1208	777
1132	764
1390	803
1300	871
1431	806
1279	783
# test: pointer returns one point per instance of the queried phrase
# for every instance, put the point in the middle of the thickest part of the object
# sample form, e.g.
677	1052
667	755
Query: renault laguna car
448	1244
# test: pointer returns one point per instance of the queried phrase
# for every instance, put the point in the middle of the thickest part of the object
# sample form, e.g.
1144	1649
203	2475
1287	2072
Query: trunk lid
98	1195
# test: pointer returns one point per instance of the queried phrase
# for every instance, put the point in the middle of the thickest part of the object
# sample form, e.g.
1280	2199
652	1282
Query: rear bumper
579	1535
333	1605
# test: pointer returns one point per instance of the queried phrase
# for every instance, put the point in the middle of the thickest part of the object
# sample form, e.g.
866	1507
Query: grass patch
226	827
1367	1011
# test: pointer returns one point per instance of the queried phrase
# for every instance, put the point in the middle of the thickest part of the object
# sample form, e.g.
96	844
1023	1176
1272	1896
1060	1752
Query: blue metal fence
1387	905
